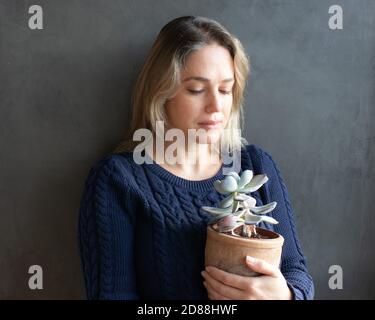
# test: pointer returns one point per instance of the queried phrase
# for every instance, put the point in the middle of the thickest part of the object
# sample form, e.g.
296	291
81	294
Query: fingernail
208	269
203	273
250	259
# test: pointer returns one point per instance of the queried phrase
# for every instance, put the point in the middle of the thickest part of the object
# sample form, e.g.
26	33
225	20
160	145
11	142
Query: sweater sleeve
106	234
293	262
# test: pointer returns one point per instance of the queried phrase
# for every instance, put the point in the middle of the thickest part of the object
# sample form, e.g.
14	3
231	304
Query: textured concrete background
64	103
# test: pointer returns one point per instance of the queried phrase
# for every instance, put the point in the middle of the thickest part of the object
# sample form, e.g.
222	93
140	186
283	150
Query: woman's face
204	98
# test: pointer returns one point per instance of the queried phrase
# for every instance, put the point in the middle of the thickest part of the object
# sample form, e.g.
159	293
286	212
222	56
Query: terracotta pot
228	252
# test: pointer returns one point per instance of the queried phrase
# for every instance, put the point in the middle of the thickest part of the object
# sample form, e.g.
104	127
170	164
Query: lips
210	124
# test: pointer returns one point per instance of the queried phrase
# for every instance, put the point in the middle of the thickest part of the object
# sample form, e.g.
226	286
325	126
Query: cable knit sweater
142	235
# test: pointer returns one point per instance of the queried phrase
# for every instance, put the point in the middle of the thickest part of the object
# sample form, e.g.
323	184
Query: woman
142	235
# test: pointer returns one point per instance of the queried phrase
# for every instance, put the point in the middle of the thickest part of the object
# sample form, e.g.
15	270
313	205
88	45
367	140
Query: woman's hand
271	285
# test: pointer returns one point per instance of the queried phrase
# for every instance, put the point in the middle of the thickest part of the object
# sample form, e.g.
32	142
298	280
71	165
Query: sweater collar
197	185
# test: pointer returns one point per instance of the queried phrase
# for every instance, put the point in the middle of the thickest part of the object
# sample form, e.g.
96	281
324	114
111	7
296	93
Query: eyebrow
205	79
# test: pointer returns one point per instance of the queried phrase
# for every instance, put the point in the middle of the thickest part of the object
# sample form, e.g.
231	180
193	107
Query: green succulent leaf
216	211
239	213
255	183
226	202
252	218
255	219
229	184
218	187
235	206
234	175
219	217
246	177
251	202
243	197
264	209
269	220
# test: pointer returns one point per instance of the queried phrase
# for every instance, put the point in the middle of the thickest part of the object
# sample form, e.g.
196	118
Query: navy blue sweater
142	235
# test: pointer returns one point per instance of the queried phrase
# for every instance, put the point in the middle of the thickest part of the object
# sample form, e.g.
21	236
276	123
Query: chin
213	136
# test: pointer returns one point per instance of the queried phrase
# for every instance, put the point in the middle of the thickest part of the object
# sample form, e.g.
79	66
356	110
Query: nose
214	103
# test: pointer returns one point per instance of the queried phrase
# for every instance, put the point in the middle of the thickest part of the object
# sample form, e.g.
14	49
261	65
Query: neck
192	161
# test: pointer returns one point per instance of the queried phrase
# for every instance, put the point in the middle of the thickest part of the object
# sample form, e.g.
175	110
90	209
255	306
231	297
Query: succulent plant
238	208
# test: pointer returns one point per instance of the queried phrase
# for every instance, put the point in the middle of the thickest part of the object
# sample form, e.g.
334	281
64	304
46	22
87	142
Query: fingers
262	266
229	279
220	289
223	285
212	294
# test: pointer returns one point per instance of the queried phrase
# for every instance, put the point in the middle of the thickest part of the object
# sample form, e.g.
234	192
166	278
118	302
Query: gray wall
64	103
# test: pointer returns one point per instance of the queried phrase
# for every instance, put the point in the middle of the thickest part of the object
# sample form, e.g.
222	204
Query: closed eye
195	91
200	91
225	92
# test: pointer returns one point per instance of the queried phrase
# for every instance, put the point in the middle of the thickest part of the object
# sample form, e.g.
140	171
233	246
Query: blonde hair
160	76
